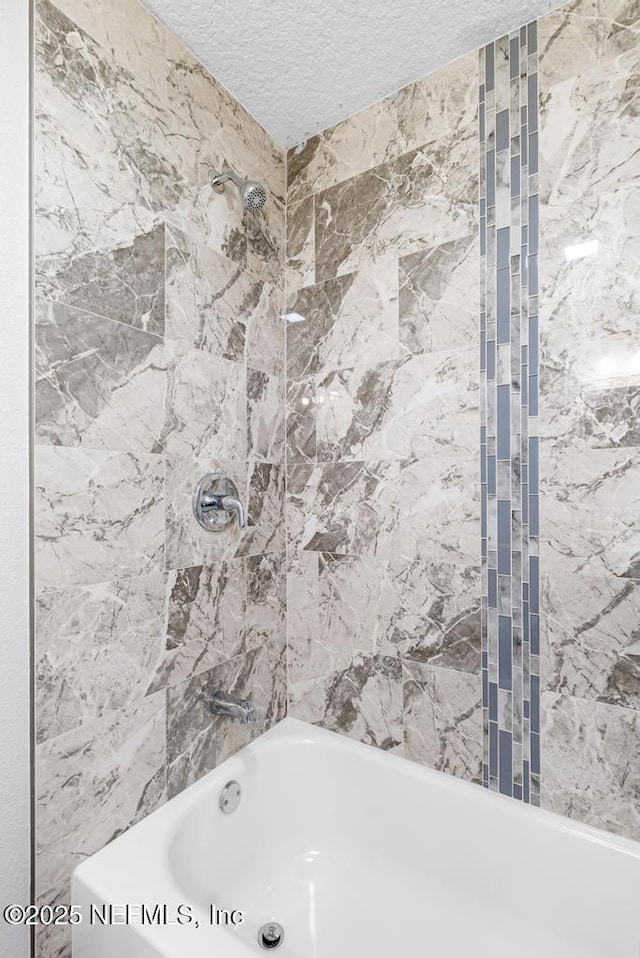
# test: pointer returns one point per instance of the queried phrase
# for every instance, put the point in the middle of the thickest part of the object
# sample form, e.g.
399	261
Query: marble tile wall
386	463
159	356
383	400
589	55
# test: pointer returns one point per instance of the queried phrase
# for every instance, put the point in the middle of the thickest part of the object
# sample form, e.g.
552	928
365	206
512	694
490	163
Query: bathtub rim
293	731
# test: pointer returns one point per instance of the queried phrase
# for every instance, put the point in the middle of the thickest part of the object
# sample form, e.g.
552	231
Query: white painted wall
14	470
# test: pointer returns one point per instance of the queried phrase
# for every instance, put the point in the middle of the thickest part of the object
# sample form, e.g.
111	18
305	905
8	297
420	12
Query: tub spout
231	706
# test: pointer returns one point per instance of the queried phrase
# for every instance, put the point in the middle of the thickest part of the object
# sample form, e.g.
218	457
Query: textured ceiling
299	66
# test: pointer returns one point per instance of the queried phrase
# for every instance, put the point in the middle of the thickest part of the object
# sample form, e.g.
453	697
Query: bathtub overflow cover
271	935
229	797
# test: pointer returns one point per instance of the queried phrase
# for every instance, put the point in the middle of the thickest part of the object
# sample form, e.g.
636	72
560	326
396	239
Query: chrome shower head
252	194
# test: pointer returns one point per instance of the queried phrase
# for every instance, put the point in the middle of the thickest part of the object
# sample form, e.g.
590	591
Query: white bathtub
358	853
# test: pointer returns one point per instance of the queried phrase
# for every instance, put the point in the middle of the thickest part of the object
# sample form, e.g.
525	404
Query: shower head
252	194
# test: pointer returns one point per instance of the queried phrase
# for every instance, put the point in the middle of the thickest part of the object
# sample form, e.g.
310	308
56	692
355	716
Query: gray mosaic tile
509	391
506	763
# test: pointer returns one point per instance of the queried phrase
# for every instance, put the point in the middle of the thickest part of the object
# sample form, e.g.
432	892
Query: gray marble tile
350	609
300	267
421	199
101	384
584	34
335	600
301	421
206	620
303	595
261	488
346	507
105	646
359	696
207	406
208	297
95	782
266	237
442	713
120	606
591	763
126	284
266	498
54	941
267	603
100	178
590	411
265	416
129	37
216	305
198	741
352	146
418	406
441	104
439	300
352	319
592	638
438	517
97	650
591	512
430	612
265	345
207	128
589	333
98	515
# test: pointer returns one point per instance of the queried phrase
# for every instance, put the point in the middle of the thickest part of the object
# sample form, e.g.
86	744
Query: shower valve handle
224	504
216	502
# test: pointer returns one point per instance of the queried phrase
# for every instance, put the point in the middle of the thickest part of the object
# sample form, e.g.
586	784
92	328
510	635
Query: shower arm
219	179
253	195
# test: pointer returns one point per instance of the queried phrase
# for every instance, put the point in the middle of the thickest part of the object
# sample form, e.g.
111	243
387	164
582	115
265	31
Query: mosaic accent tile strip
509	351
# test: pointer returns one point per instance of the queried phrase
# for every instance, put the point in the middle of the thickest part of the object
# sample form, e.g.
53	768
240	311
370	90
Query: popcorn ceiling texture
299	68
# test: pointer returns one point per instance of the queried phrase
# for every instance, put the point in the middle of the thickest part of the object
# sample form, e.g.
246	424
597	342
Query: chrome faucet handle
231	504
216	501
